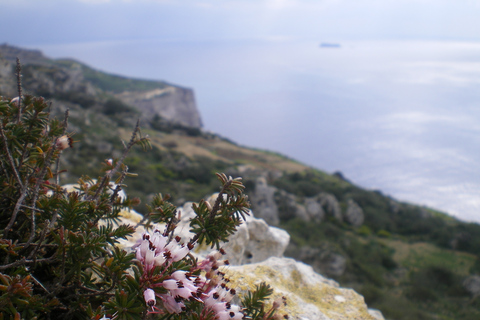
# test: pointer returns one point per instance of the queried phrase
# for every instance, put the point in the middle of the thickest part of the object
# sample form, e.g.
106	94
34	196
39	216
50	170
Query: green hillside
408	261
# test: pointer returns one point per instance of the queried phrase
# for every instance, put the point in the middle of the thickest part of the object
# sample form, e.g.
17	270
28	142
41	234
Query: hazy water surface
402	117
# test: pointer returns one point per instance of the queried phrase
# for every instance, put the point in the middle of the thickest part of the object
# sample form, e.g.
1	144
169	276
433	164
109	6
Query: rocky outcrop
323	259
173	104
49	80
263	200
472	285
314	209
330	205
273	205
309	295
354	214
289	207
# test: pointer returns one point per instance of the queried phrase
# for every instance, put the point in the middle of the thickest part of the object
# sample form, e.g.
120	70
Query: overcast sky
34	22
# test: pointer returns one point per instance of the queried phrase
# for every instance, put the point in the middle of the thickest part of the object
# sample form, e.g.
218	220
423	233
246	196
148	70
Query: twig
97	292
118	188
215	208
36	189
31	208
19	88
219	199
39	284
119	163
20	200
57	165
24	152
43	234
9	155
25	261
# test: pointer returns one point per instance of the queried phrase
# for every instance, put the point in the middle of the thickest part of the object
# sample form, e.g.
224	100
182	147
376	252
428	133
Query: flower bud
64	142
149	296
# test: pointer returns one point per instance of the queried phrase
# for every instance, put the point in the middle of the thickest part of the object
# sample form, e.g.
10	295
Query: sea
399	116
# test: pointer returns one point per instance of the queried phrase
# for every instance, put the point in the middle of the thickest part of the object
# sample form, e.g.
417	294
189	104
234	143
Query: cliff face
171	103
67	79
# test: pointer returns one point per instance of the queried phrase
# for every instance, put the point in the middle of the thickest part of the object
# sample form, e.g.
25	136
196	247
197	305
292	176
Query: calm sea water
399	116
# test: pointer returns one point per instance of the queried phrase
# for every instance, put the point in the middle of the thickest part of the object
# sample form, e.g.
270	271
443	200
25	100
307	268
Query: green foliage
214	223
114	106
384	234
254	302
160	124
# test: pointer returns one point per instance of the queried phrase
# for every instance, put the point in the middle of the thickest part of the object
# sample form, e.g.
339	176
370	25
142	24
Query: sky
34	22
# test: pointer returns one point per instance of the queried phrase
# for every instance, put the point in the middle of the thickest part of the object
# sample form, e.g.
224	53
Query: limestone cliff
174	104
71	81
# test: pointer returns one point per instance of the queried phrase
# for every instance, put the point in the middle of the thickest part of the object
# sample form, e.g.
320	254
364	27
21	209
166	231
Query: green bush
114	106
59	253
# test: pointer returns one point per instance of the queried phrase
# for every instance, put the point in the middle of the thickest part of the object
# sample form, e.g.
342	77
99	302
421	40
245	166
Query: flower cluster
202	283
156	250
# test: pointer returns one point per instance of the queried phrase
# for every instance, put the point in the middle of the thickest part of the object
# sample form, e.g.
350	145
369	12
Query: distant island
329	45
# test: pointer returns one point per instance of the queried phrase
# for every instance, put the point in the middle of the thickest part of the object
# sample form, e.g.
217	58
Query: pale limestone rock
376	314
354	214
330	204
263	241
314	210
309	295
172	103
472	285
263	200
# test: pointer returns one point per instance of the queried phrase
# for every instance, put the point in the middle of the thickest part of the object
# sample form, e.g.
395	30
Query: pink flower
229	315
149	296
173	305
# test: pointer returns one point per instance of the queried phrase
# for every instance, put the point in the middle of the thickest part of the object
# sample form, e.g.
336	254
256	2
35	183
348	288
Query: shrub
114	106
383	234
59	257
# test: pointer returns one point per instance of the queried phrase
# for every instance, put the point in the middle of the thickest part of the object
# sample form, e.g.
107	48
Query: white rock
376	314
309	295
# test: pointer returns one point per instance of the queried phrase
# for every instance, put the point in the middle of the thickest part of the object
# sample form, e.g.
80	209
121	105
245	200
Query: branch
25	261
57	166
43	234
219	199
15	211
24	152
9	155
19	88
107	177
215	207
39	180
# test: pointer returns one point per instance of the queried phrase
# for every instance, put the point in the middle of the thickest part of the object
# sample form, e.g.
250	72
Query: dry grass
217	149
